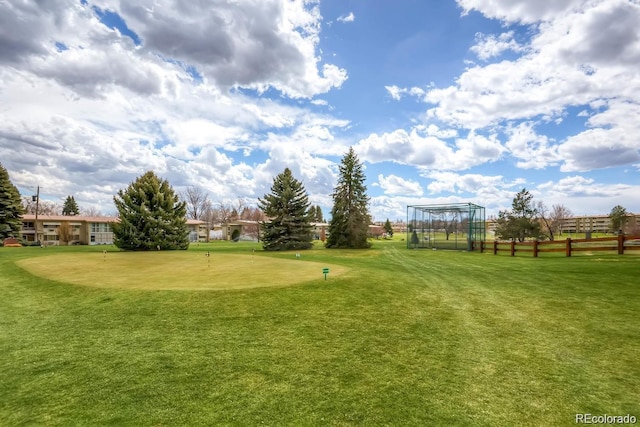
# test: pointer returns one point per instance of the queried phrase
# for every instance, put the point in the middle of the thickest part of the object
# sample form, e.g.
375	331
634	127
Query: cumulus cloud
316	173
250	44
610	141
585	194
580	54
395	185
532	150
490	46
420	148
247	44
520	10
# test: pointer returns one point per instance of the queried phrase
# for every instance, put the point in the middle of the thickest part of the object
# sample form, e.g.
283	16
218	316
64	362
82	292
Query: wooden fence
620	243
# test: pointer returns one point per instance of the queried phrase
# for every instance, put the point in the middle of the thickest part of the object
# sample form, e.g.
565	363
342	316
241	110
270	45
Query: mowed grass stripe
176	270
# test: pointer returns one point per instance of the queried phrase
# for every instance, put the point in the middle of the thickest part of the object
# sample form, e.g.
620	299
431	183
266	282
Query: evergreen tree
316	214
287	208
617	216
522	221
70	207
388	228
350	218
151	216
10	207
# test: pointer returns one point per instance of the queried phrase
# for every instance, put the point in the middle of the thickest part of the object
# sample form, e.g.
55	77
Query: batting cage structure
452	226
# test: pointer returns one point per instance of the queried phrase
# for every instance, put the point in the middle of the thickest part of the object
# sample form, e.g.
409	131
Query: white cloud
611	141
490	46
419	148
584	195
347	18
520	10
244	44
394	92
534	151
580	54
317	174
397	93
433	130
395	185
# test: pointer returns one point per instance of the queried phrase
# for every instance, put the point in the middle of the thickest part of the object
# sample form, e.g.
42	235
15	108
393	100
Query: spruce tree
388	228
349	225
151	216
10	207
70	207
288	224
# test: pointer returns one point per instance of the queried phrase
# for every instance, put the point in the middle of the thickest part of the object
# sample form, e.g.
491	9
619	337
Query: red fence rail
620	243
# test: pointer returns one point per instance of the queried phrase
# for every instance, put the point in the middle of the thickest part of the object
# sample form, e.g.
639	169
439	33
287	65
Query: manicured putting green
176	270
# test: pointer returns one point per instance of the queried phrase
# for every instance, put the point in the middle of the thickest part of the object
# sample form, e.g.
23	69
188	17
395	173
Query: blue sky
443	101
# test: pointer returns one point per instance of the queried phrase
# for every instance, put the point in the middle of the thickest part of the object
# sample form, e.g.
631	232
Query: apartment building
598	224
586	224
56	230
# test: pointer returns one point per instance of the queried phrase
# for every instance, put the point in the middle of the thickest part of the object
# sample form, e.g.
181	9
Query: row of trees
290	213
201	207
153	216
530	220
47	207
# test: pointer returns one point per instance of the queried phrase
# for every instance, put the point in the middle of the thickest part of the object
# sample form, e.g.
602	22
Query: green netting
451	226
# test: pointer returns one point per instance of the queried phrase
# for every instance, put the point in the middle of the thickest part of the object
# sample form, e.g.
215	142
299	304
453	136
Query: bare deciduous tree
45	207
197	202
557	217
543	213
255	215
65	233
230	211
91	211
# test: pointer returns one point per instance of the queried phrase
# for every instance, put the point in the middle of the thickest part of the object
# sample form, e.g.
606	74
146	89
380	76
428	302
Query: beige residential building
588	223
56	230
598	224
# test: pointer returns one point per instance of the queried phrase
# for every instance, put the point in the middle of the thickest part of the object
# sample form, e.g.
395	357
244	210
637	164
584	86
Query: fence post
620	244
513	247
495	247
535	248
481	246
568	249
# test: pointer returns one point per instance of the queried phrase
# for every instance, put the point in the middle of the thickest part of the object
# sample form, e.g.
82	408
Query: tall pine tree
316	214
10	207
349	225
289	219
151	216
70	207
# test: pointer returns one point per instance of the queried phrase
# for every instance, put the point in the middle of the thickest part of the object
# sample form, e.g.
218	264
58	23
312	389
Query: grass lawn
399	337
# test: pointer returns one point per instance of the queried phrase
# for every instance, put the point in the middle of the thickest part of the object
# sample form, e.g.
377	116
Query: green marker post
325	271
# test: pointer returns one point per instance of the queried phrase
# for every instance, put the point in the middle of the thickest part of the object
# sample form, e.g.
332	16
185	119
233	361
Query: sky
444	101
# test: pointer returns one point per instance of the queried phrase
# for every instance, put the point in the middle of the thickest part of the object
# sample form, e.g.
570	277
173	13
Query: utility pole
37	197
